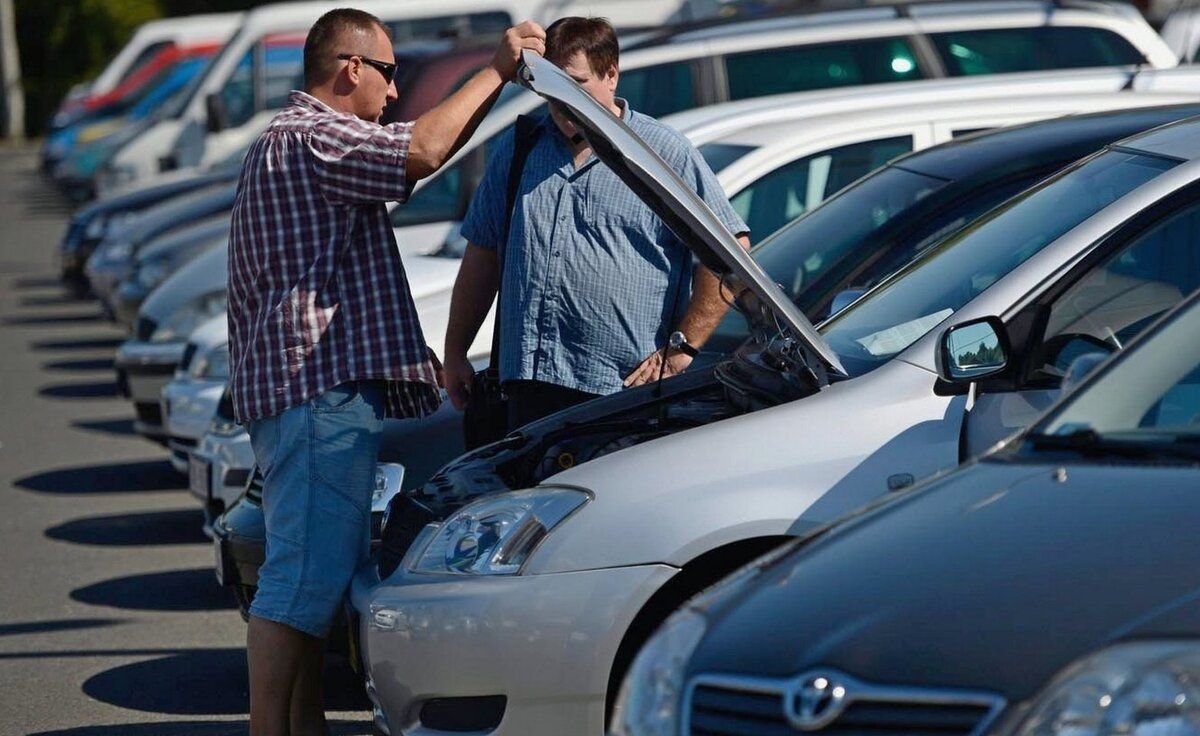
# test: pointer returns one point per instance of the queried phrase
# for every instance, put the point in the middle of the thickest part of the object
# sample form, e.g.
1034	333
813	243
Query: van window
144	56
659	90
1000	50
285	72
776	71
793	189
238	92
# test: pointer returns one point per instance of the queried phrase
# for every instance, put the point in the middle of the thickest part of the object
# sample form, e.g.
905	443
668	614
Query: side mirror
843	299
973	350
218	116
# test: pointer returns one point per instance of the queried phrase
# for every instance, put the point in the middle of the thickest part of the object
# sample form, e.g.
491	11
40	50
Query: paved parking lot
111	623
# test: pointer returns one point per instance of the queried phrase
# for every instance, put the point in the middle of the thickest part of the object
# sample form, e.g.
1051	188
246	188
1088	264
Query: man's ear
612	76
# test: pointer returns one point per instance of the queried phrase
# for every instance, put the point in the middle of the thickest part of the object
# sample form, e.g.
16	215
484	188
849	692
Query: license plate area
200	477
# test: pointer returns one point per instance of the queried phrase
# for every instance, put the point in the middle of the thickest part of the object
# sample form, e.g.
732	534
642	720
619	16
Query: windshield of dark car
804	251
951	273
1152	395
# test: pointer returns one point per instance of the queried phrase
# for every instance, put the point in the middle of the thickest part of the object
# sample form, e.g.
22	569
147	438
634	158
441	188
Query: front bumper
187	406
143	370
543	643
126	300
219	469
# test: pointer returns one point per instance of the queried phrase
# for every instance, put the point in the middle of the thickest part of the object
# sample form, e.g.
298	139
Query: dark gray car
1048	589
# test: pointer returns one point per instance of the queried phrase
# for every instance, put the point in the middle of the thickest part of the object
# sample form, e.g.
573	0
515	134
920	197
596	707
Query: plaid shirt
317	291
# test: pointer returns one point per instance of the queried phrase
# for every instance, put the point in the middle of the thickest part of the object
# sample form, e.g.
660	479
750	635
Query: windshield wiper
1090	443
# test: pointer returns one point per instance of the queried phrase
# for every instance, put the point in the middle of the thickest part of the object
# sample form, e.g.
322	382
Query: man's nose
392	94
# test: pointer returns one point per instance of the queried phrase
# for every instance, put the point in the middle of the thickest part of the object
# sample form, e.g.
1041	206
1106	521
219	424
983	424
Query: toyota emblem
816	701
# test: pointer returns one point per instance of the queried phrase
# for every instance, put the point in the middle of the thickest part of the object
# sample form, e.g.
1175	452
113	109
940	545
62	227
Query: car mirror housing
218	116
973	350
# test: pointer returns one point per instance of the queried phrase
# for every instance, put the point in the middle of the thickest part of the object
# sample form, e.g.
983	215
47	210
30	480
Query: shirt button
558	252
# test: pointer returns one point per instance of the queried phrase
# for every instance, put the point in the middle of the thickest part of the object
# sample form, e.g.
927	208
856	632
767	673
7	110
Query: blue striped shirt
593	280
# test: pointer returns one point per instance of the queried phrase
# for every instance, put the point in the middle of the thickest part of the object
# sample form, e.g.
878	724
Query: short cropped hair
322	45
595	37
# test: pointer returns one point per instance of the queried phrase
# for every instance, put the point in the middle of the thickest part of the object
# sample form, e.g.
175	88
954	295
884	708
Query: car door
1139	273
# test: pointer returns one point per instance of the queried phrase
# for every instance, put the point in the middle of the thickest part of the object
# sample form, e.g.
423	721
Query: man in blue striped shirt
594	282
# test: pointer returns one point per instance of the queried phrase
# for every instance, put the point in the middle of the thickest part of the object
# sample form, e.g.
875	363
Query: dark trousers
531	400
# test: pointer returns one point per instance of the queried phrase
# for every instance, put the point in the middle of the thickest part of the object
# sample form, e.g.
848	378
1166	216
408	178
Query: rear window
776	71
1000	50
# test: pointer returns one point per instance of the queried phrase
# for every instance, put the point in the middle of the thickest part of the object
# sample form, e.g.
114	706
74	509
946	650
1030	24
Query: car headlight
1136	689
495	535
151	272
650	697
214	364
184	320
119	250
388	479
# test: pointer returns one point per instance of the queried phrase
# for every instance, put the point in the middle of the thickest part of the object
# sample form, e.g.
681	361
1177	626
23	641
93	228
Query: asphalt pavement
111	622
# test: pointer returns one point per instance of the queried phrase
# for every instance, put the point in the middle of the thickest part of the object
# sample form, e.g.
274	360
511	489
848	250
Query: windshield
178	102
953	272
1151	396
802	253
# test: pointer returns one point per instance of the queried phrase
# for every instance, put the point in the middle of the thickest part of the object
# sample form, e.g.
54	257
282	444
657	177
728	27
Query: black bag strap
527	130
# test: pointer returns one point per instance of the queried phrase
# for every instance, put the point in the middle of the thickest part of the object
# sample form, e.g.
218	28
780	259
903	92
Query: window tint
959	268
1000	50
437	201
1124	294
238	92
720	155
285	72
791	190
775	71
659	90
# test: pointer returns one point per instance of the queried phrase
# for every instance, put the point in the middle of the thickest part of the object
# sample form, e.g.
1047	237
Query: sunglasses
387	70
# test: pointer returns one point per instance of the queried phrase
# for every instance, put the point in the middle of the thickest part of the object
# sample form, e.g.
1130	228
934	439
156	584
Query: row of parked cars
959	211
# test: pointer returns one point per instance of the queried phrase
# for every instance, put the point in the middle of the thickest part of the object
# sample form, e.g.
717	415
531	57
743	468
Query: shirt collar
299	98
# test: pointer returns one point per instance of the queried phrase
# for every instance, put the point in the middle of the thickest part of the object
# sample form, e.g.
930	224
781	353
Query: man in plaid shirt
324	339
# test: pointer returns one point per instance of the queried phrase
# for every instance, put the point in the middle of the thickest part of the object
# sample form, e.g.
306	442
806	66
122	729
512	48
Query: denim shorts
318	463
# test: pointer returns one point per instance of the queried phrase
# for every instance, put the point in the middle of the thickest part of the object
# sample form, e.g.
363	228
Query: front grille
144	328
720	706
189	354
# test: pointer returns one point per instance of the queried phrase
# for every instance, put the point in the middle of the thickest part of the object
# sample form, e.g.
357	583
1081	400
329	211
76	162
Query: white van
244	87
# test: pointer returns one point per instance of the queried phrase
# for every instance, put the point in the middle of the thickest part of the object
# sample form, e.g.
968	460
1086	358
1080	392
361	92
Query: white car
243	89
189	401
519	613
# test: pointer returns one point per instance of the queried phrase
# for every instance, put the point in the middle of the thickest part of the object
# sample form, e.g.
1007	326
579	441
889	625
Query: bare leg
308	694
274	653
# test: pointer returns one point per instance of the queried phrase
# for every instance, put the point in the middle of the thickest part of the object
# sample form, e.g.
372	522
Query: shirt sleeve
357	162
484	221
695	171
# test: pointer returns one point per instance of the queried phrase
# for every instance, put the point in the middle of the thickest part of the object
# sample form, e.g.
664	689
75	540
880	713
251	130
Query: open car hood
688	216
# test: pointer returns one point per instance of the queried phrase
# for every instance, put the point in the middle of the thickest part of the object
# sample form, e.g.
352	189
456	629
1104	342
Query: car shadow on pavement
101	390
147	475
181	526
87	364
193	728
206	682
54	319
52	300
69	624
123	427
91	343
37	282
173	590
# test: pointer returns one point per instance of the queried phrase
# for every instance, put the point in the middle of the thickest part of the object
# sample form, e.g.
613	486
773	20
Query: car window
285	72
1121	296
144	57
238	92
438	201
776	71
1000	50
795	188
659	90
1153	395
927	291
720	155
448	26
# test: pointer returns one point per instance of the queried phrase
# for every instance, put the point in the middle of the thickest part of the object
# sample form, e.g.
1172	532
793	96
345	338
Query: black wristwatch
678	341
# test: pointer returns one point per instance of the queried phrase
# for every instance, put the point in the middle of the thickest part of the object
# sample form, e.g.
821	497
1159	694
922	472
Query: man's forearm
707	306
474	290
439	133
